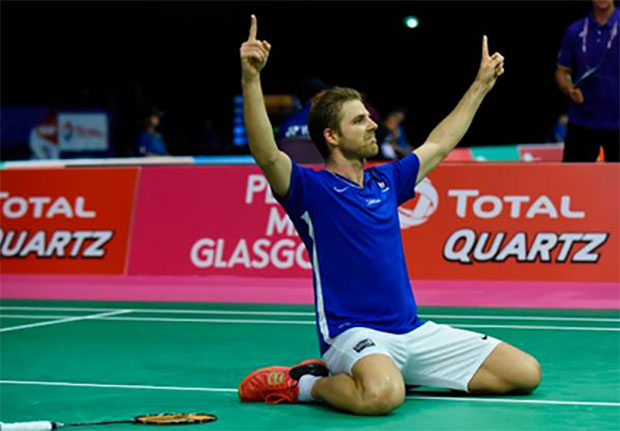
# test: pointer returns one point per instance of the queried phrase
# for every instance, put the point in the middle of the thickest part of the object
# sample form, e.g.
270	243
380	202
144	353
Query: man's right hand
565	84
254	54
576	95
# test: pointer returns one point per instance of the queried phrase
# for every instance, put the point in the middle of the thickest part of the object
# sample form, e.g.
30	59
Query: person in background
558	132
293	136
391	135
296	124
150	142
588	73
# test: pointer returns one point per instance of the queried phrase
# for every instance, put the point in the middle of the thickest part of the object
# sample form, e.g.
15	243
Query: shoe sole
312	367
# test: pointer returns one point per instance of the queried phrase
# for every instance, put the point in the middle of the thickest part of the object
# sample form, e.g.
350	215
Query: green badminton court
93	361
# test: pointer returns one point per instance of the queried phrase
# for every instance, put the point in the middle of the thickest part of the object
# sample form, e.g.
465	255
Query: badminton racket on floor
154	419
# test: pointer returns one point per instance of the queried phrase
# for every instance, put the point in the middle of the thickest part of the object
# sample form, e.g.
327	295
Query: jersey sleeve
403	174
296	200
566	54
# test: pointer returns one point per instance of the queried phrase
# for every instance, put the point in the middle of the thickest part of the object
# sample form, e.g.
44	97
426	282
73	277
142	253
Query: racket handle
28	426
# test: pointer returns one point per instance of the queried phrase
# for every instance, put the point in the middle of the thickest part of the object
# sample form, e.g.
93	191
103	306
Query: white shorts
430	355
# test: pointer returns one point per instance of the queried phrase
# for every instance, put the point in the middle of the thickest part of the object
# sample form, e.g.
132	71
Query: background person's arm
565	84
275	164
452	129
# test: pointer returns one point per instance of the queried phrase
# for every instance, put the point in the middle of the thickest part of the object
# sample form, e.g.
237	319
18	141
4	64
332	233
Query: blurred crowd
290	130
587	74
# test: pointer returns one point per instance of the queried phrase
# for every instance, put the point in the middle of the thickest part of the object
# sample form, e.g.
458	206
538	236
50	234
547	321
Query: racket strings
175	418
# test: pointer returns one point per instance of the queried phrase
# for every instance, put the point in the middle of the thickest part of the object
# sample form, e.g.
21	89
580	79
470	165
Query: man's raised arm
452	129
275	164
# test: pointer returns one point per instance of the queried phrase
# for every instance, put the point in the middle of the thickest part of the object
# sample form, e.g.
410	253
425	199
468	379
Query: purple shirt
587	46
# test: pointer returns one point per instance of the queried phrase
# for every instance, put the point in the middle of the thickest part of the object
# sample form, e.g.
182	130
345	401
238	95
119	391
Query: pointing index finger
485	47
253	28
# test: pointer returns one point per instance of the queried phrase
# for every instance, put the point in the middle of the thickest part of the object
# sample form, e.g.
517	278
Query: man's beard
365	151
370	151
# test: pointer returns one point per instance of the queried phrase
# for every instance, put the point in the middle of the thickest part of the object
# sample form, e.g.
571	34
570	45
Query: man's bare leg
376	387
507	369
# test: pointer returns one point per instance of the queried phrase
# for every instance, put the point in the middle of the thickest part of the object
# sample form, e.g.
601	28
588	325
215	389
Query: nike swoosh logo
340	190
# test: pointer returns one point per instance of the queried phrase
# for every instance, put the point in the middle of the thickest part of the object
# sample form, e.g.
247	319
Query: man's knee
532	375
527	378
380	385
381	398
507	370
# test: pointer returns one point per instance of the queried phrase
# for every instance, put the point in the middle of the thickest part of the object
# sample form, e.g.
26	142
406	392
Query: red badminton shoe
276	384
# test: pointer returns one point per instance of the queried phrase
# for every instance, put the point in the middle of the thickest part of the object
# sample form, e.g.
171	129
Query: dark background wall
184	58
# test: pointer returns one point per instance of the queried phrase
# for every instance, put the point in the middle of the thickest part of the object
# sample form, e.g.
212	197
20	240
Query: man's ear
331	136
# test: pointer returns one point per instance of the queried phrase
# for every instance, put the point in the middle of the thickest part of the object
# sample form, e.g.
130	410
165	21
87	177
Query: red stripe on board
510	294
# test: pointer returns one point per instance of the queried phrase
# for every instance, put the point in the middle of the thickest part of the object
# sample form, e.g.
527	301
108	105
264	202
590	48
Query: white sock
305	388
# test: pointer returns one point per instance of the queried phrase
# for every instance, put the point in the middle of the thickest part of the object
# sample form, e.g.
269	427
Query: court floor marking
309	314
499	317
115	386
66	320
232	390
104	316
167	311
513	401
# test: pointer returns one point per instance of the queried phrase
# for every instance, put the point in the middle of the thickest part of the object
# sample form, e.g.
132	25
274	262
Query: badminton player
371	339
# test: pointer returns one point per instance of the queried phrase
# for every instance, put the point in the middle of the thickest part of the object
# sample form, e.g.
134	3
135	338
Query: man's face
603	4
356	137
154	120
394	120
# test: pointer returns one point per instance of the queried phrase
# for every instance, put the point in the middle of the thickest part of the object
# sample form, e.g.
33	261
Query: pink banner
213	220
489	222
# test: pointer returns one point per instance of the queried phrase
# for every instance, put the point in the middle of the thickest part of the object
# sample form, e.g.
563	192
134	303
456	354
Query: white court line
172	319
301	313
104	385
31	316
169	311
297	322
552	319
513	401
232	390
558	328
165	319
70	319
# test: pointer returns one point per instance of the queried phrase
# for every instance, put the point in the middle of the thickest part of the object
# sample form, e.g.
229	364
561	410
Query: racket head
175	418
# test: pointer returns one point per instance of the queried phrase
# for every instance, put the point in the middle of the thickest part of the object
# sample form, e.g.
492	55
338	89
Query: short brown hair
325	113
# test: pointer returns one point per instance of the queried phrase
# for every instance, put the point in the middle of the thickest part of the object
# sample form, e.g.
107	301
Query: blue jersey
353	238
296	125
150	142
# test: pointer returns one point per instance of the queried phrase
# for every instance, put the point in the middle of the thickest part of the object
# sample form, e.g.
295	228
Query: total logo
421	208
470	203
